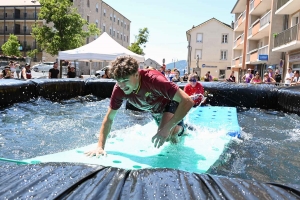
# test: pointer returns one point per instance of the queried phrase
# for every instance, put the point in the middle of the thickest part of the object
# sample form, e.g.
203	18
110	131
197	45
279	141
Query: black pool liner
80	181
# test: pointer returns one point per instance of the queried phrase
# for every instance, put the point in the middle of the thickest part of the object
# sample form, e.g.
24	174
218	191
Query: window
198	52
104	12
87	40
114	18
5	28
127	38
97	23
25	28
121	36
224	38
97	8
103	28
222	74
114	33
199	37
124	37
125	25
88	19
223	54
110	31
118	21
110	17
25	15
88	3
122	23
128	27
297	20
118	34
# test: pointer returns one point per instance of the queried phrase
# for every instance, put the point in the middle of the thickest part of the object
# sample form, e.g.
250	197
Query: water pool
267	152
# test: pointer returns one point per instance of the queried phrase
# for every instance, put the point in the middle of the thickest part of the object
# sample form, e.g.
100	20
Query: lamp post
174	61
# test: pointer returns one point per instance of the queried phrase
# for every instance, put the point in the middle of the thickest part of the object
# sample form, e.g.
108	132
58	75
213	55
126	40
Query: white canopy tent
104	48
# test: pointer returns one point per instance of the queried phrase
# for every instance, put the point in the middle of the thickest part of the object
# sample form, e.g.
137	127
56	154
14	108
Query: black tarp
79	181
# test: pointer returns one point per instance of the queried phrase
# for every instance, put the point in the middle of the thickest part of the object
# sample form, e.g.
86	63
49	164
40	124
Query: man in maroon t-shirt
147	90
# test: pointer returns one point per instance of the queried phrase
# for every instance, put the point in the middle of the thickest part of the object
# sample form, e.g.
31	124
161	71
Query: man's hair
123	67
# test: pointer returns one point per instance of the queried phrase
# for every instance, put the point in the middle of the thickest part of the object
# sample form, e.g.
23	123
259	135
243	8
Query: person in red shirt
193	88
147	90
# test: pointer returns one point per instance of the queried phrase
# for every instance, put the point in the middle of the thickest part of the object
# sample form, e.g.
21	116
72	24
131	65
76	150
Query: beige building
151	63
18	16
288	40
210	48
255	28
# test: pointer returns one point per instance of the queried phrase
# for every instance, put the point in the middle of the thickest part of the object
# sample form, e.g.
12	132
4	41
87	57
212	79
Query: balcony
259	7
237	44
238	25
16	32
259	29
253	56
237	62
287	7
12	17
287	40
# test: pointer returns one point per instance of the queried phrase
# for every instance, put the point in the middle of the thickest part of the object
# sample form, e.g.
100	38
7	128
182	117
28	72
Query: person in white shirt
168	75
288	77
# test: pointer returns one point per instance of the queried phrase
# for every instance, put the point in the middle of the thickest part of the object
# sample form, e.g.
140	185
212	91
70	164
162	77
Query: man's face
128	84
55	65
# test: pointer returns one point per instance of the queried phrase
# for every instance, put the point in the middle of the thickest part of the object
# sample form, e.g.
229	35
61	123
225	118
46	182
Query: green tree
141	39
11	47
32	53
68	31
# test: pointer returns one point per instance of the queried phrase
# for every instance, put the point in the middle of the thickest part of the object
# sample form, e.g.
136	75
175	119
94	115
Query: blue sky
168	21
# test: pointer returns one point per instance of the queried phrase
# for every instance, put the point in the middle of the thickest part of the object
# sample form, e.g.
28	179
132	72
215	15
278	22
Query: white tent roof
104	48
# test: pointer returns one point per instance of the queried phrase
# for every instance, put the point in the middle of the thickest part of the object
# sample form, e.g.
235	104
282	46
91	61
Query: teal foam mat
132	148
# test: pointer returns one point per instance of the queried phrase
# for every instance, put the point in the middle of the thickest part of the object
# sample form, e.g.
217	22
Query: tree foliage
141	39
32	53
64	28
11	47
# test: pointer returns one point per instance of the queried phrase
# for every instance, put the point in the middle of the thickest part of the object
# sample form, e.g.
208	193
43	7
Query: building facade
210	49
255	29
287	41
151	63
18	16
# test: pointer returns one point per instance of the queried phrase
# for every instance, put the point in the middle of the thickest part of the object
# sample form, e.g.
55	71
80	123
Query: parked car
101	72
43	67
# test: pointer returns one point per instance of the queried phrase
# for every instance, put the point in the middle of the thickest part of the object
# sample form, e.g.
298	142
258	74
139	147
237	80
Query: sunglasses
193	80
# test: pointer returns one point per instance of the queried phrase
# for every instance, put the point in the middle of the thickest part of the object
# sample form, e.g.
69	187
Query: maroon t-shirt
154	94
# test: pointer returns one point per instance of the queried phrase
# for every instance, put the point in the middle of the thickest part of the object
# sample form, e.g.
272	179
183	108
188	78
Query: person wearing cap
54	72
271	74
71	73
26	72
185	77
6	73
268	80
248	76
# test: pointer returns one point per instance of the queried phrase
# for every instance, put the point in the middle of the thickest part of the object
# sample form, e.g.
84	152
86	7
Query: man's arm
104	131
24	73
185	104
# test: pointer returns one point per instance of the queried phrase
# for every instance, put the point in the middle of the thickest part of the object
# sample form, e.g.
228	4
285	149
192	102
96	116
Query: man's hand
96	152
160	137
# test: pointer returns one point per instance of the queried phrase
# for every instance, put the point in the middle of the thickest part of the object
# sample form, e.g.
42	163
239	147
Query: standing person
231	77
256	79
296	79
271	74
168	75
268	80
193	88
277	77
26	72
248	76
206	77
54	72
71	73
12	68
6	73
185	77
147	90
18	69
288	77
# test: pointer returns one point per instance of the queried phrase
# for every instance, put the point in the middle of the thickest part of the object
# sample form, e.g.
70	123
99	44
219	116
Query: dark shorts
171	108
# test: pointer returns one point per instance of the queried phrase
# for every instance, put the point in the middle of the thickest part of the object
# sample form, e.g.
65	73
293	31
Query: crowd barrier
263	96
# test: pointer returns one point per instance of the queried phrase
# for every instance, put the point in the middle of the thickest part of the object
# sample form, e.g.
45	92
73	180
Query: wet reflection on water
268	151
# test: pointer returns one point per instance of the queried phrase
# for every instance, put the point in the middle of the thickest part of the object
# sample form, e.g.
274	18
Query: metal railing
281	3
20	32
263	50
287	36
243	16
12	17
251	5
265	19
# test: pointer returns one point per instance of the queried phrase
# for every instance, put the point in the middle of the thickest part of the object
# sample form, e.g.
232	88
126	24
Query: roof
20	3
153	61
224	24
